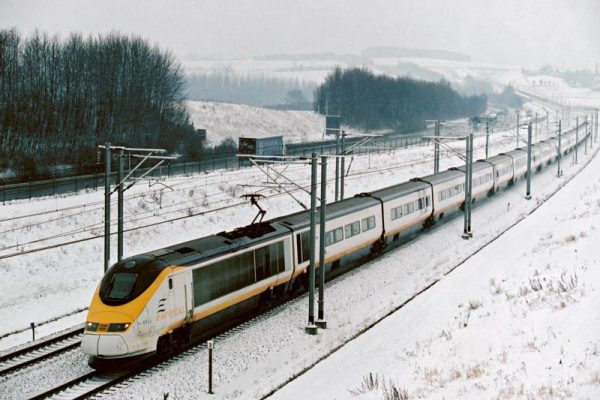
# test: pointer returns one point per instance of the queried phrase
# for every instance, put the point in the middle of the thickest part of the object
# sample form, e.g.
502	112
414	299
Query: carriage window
303	246
280	257
263	263
368	223
396	212
223	277
352	229
334	236
423	202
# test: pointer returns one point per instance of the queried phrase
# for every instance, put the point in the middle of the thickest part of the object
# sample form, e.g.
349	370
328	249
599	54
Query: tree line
60	99
368	101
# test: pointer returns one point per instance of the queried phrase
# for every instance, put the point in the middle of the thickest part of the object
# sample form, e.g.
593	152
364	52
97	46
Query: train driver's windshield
121	285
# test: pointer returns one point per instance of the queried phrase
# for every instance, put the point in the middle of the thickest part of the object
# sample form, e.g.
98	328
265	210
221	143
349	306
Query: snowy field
316	70
262	356
517	320
226	120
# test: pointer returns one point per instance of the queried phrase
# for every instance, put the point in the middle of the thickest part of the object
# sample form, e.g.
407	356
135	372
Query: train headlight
118	327
91	326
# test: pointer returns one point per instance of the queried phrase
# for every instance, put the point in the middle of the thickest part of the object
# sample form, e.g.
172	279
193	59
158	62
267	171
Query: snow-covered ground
262	356
226	120
517	320
311	69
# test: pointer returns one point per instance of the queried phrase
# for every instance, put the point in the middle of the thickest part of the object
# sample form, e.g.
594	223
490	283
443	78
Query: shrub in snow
474	304
474	372
566	283
389	388
369	382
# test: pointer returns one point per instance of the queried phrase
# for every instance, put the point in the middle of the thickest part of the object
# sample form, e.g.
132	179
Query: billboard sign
333	124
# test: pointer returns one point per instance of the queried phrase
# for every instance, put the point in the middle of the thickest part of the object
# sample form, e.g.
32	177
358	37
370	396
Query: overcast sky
564	33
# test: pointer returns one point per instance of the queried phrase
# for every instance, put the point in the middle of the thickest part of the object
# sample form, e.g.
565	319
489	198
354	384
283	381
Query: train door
182	293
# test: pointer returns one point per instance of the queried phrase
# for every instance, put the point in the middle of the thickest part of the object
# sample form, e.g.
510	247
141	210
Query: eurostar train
152	302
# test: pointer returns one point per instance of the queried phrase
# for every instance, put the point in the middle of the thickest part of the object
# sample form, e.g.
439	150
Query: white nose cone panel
103	345
89	344
111	345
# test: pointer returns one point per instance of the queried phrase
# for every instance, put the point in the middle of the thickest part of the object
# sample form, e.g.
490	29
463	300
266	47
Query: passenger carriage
404	206
519	161
482	179
448	190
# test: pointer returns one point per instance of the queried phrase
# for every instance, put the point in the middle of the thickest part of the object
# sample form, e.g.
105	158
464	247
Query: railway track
40	350
94	382
83	386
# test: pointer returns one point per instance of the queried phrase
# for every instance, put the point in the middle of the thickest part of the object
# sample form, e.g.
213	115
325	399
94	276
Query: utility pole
596	133
487	138
592	143
471	151
436	156
536	126
120	201
587	131
467	208
333	125
337	165
321	322
311	328
559	172
120	189
577	136
593	129
528	194
107	160
343	166
518	114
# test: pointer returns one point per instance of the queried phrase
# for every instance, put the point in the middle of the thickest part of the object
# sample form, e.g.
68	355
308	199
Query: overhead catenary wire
97	225
188	215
